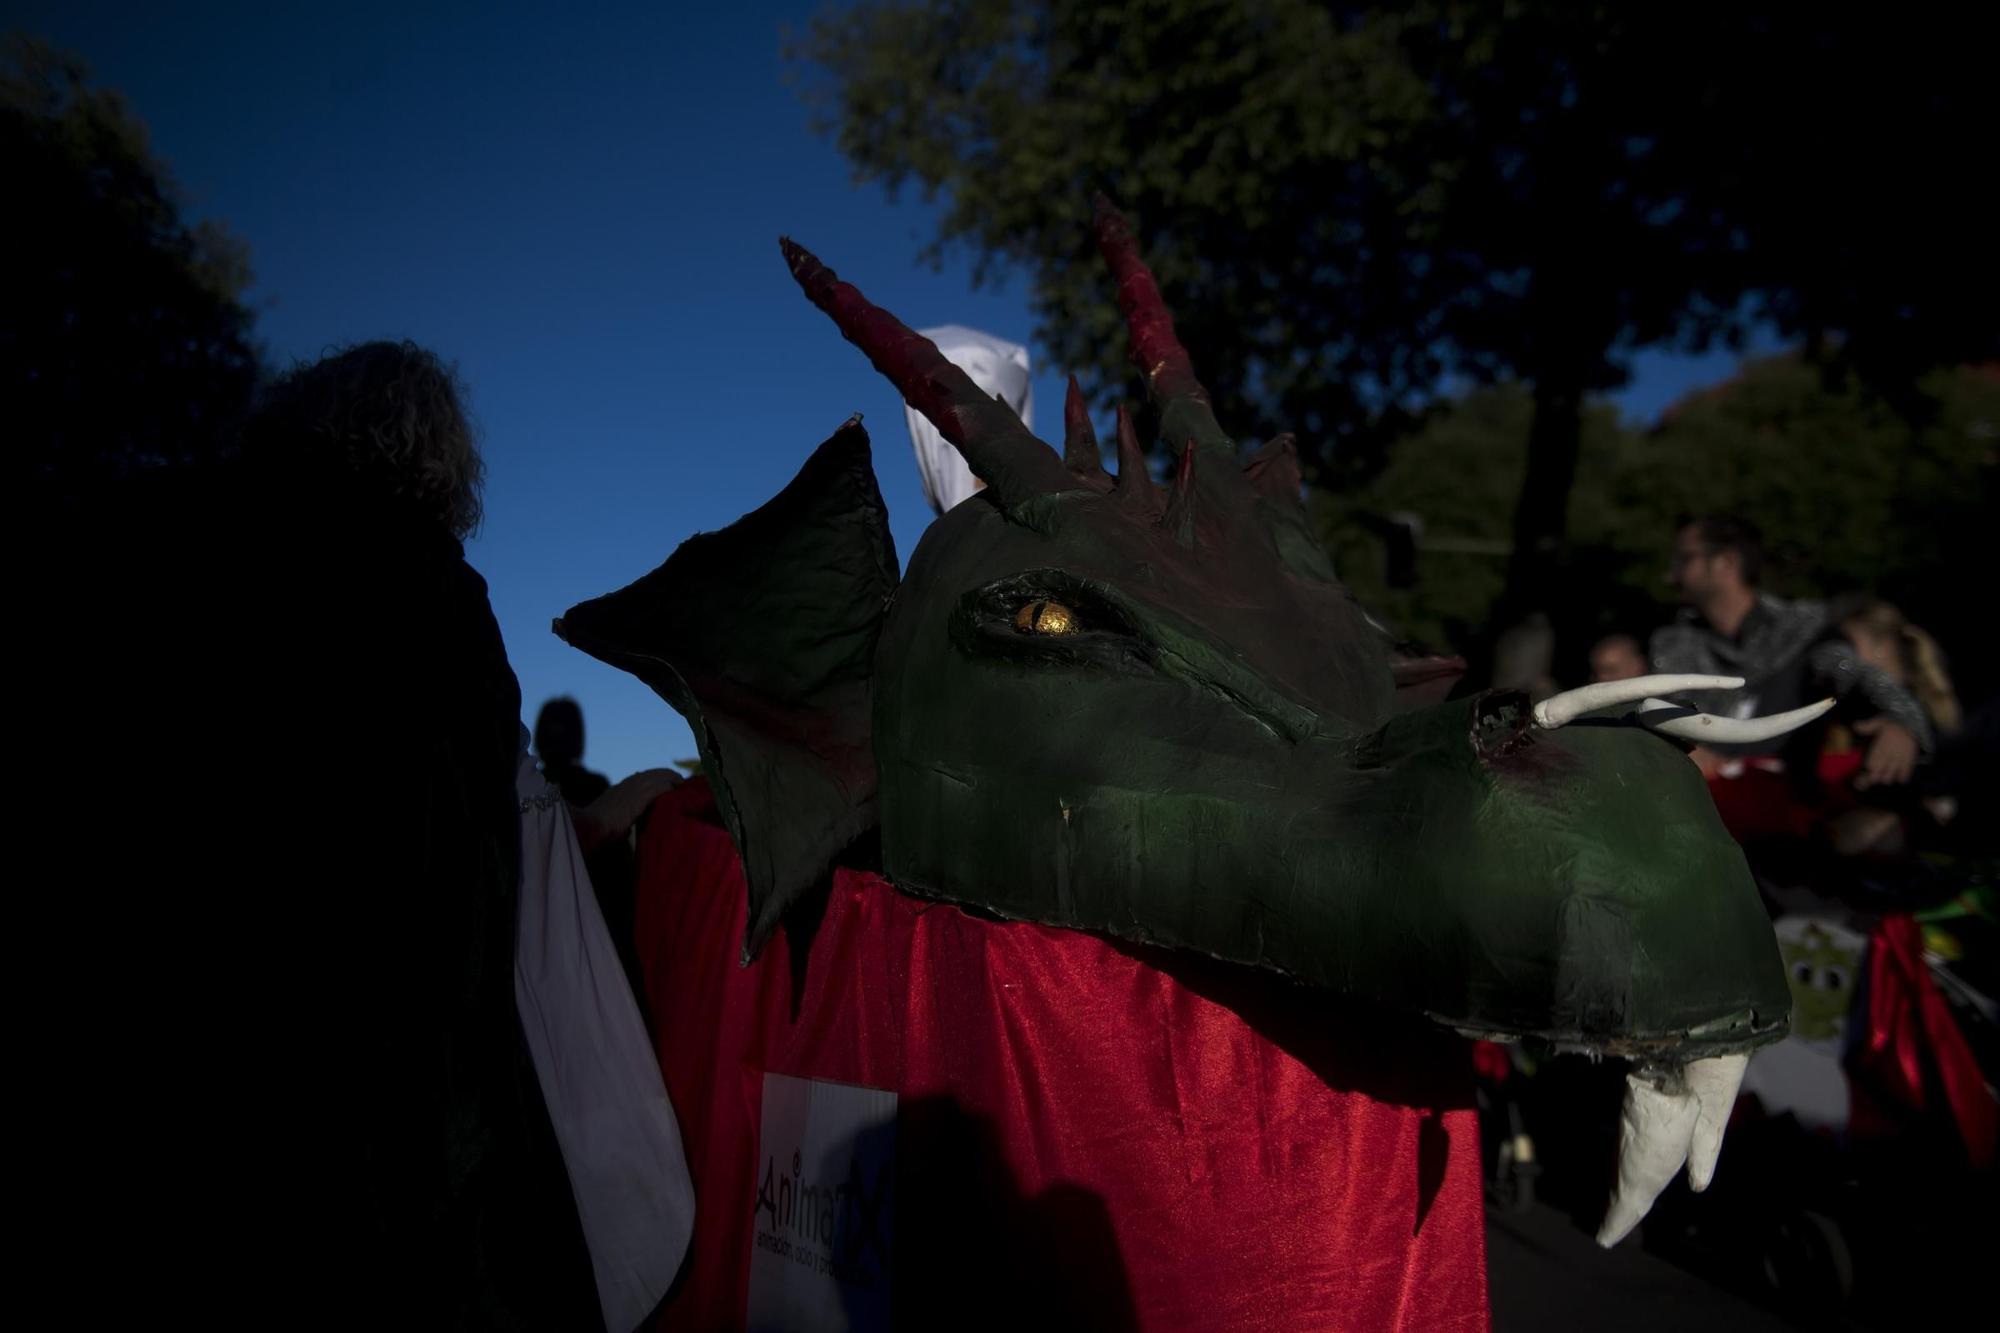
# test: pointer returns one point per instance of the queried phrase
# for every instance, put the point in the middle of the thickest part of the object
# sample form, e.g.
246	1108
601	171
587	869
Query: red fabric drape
1101	1135
1913	1051
1759	801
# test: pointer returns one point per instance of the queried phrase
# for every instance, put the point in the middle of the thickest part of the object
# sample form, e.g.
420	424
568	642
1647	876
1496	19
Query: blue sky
580	206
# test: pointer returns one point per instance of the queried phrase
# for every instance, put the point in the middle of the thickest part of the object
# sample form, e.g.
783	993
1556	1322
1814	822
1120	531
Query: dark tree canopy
1350	204
126	343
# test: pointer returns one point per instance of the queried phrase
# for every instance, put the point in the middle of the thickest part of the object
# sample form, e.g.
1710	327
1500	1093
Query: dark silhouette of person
282	1070
559	746
608	854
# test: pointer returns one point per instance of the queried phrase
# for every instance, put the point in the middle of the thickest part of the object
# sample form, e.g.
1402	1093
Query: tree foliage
1855	494
1350	204
126	342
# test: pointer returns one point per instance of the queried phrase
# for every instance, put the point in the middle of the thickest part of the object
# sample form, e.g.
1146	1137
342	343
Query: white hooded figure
999	368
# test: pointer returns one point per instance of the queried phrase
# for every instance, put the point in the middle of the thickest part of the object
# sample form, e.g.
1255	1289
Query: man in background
1789	653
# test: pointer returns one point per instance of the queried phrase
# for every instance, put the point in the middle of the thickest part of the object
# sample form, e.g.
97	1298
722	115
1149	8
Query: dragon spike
1156	350
1273	471
1135	482
1079	436
1179	518
1000	451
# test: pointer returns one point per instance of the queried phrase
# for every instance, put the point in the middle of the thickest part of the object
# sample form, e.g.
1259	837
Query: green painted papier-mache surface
763	636
1202	767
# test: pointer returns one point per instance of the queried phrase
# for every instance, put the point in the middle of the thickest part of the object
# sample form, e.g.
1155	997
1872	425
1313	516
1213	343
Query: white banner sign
826	1171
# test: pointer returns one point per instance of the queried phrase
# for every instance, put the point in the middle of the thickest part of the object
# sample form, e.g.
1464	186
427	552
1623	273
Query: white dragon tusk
1558	709
1691	726
1715	1083
1669	1117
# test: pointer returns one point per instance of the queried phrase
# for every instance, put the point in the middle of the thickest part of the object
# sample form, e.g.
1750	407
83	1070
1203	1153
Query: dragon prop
1152	711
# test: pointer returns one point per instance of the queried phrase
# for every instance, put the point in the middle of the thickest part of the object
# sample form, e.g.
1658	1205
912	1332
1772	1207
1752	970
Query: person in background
1788	652
1616	657
1524	658
448	1164
559	746
296	1091
604	816
1885	640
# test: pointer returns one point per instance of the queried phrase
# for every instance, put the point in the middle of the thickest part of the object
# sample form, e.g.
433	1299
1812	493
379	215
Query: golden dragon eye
1045	618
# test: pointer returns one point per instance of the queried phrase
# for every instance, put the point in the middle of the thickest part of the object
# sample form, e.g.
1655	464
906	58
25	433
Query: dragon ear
763	636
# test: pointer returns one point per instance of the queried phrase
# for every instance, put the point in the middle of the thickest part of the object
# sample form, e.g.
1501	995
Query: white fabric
997	367
619	1138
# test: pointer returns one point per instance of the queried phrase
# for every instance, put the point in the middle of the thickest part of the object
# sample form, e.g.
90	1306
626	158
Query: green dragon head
1153	711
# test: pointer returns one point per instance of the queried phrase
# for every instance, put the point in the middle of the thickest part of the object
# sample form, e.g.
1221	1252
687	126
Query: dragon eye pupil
1043	617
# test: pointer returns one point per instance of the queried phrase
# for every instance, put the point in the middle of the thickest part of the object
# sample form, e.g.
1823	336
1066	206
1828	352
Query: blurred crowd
1898	765
1864	1143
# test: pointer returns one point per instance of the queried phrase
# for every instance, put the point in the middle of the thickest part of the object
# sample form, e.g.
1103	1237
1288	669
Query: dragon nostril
1501	723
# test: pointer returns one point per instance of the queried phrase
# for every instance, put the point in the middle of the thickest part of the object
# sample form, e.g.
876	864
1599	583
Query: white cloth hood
998	367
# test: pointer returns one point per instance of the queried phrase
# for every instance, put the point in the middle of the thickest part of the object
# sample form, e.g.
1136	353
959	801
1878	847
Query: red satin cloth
1913	1055
1089	1134
1760	801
